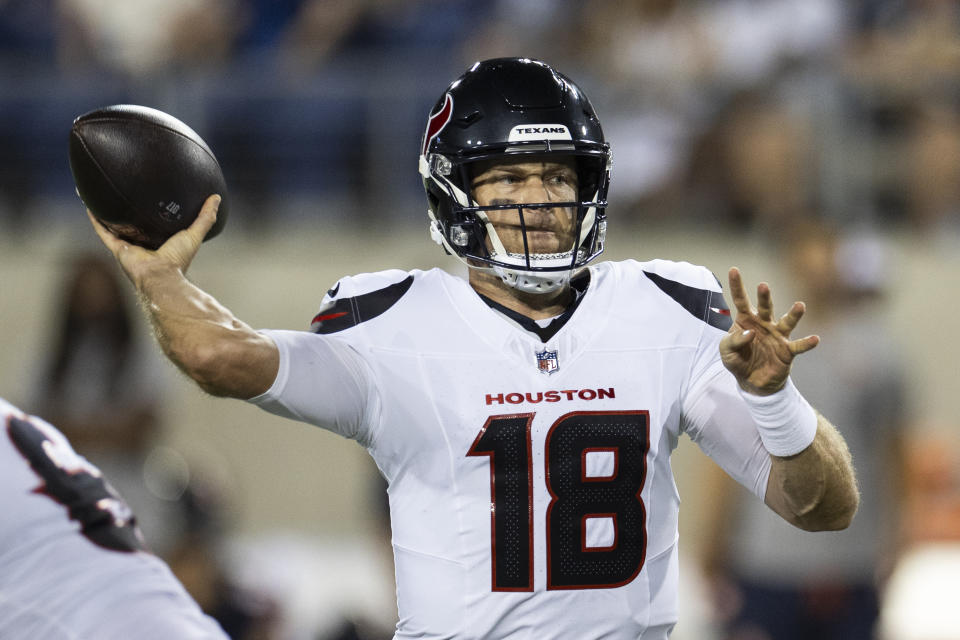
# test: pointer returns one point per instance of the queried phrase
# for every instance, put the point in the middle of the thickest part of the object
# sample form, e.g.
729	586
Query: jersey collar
578	285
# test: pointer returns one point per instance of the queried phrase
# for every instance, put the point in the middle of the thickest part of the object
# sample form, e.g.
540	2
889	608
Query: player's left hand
757	349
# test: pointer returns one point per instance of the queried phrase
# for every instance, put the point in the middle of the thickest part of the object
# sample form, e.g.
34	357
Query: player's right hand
177	252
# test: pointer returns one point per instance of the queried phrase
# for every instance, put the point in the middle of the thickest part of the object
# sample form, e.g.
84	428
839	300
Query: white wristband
786	421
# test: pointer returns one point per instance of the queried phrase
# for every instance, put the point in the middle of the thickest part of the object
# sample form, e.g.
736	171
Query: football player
72	560
524	418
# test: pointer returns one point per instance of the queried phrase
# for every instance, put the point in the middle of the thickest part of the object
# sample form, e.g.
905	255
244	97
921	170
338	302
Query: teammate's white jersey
72	565
531	493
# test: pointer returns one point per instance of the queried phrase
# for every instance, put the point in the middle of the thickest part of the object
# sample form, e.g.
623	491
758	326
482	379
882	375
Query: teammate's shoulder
693	287
355	299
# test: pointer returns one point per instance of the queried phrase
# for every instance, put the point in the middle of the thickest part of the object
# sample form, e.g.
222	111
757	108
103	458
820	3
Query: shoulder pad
683	272
356	299
693	287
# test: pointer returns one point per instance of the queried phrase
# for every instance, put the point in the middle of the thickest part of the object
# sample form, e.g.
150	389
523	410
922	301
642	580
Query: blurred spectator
902	76
920	599
306	34
337	101
932	491
199	561
103	384
657	60
143	38
679	65
932	170
549	30
774	582
906	45
757	166
320	28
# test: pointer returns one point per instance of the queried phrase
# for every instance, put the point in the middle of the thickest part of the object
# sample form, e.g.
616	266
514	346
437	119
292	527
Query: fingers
788	321
737	293
113	242
178	251
803	345
193	236
205	219
738	340
182	247
741	301
764	302
764	310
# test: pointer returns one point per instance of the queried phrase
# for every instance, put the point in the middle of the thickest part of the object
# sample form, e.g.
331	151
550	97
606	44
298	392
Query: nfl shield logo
547	361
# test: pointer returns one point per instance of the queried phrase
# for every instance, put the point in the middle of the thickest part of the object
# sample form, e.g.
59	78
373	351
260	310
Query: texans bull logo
438	121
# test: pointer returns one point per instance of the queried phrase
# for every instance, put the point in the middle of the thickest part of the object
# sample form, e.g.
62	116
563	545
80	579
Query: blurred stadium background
732	123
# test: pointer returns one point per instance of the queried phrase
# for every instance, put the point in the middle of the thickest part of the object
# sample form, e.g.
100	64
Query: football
143	173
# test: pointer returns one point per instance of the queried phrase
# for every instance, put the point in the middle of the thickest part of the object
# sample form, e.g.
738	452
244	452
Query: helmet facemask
465	229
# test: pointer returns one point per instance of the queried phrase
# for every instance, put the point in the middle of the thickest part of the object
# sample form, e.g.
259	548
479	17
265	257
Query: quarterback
524	417
72	561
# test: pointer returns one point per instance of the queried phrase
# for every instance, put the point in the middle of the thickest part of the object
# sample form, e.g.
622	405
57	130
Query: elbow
840	507
831	515
834	522
842	523
843	518
825	502
233	362
206	371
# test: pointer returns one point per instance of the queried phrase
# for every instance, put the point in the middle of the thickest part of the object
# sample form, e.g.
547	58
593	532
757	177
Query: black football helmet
504	108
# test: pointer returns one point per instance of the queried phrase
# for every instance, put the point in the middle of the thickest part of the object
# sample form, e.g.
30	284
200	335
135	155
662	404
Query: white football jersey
531	493
72	565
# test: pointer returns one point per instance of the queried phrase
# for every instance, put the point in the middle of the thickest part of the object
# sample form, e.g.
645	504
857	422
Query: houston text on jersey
550	396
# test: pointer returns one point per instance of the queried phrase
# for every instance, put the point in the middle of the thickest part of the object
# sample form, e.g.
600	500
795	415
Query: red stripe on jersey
330	316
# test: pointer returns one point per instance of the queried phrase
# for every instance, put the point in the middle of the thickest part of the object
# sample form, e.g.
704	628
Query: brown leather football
143	173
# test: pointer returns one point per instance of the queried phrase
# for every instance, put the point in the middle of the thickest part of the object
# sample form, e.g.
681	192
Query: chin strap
533	283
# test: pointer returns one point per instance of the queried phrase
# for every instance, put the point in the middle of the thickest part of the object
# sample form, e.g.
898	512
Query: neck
536	306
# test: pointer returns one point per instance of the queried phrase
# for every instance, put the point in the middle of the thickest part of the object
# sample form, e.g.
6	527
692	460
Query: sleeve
718	420
325	382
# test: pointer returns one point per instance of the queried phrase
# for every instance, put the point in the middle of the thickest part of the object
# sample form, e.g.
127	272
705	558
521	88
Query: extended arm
202	337
814	487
